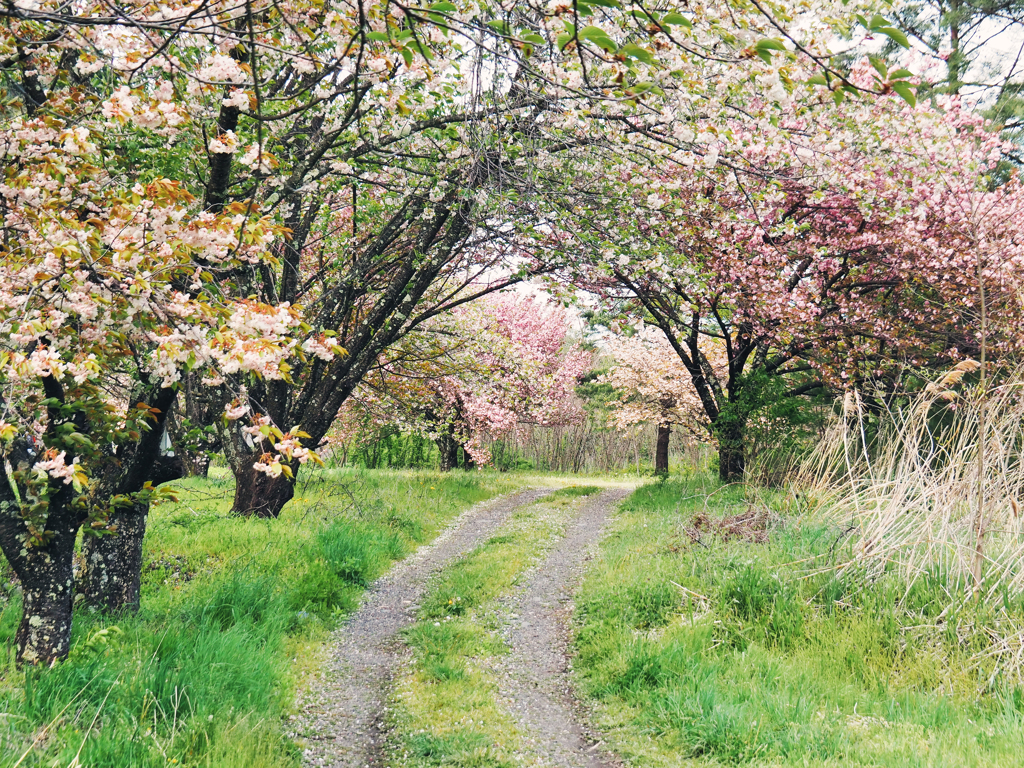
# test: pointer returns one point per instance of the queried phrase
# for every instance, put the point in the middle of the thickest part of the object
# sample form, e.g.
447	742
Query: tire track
535	679
340	714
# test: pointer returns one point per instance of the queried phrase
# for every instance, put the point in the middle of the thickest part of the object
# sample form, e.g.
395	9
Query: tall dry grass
919	486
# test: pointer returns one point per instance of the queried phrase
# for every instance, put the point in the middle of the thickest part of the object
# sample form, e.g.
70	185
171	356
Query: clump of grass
232	612
907	479
933	485
756	657
576	490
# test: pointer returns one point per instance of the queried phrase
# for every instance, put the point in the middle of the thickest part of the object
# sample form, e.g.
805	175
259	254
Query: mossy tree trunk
43	568
112	577
731	450
448	449
258	494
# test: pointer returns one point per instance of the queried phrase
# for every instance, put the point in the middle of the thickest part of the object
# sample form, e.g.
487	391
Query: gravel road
340	713
534	678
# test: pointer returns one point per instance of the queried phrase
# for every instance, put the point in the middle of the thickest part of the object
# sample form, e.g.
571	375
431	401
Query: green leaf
639	88
817	80
900	73
837	97
500	26
880	67
379	37
678	19
77	438
769	44
443	7
634	51
563	40
877	21
423	50
905	92
764	47
598	37
407	55
604	3
895	35
533	38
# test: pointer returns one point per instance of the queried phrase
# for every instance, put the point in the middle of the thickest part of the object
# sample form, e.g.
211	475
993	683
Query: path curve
536	680
340	714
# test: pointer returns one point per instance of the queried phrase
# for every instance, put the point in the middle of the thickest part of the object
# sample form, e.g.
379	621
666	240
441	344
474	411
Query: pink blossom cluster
510	361
846	235
55	465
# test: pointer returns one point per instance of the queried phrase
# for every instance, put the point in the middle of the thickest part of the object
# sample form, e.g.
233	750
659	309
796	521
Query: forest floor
412	619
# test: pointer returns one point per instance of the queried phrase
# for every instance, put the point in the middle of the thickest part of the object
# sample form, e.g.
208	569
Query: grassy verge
705	646
233	612
446	708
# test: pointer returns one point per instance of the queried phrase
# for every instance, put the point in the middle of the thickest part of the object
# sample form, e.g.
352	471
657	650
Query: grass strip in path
447	708
342	709
535	675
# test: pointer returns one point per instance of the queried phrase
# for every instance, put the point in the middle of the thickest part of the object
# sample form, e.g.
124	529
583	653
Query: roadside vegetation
234	613
713	630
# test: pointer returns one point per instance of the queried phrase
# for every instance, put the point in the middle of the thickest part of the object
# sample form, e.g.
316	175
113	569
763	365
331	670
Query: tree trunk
47	588
448	448
257	494
45	569
731	453
199	466
190	424
112	578
661	450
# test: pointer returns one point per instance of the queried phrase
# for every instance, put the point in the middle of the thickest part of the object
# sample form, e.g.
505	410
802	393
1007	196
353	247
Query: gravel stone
534	679
341	717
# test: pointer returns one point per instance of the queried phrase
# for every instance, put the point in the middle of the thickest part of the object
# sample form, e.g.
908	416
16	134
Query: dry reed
904	480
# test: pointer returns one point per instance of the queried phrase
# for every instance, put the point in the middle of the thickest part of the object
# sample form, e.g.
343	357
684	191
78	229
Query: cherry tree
654	387
485	371
819	253
102	307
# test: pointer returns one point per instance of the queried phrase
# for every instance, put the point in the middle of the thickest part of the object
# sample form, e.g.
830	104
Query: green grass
716	652
446	707
234	612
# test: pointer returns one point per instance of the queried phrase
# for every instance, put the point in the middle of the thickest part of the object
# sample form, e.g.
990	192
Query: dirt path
535	677
341	712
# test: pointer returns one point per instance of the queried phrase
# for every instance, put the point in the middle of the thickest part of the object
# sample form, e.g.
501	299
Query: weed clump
751	525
